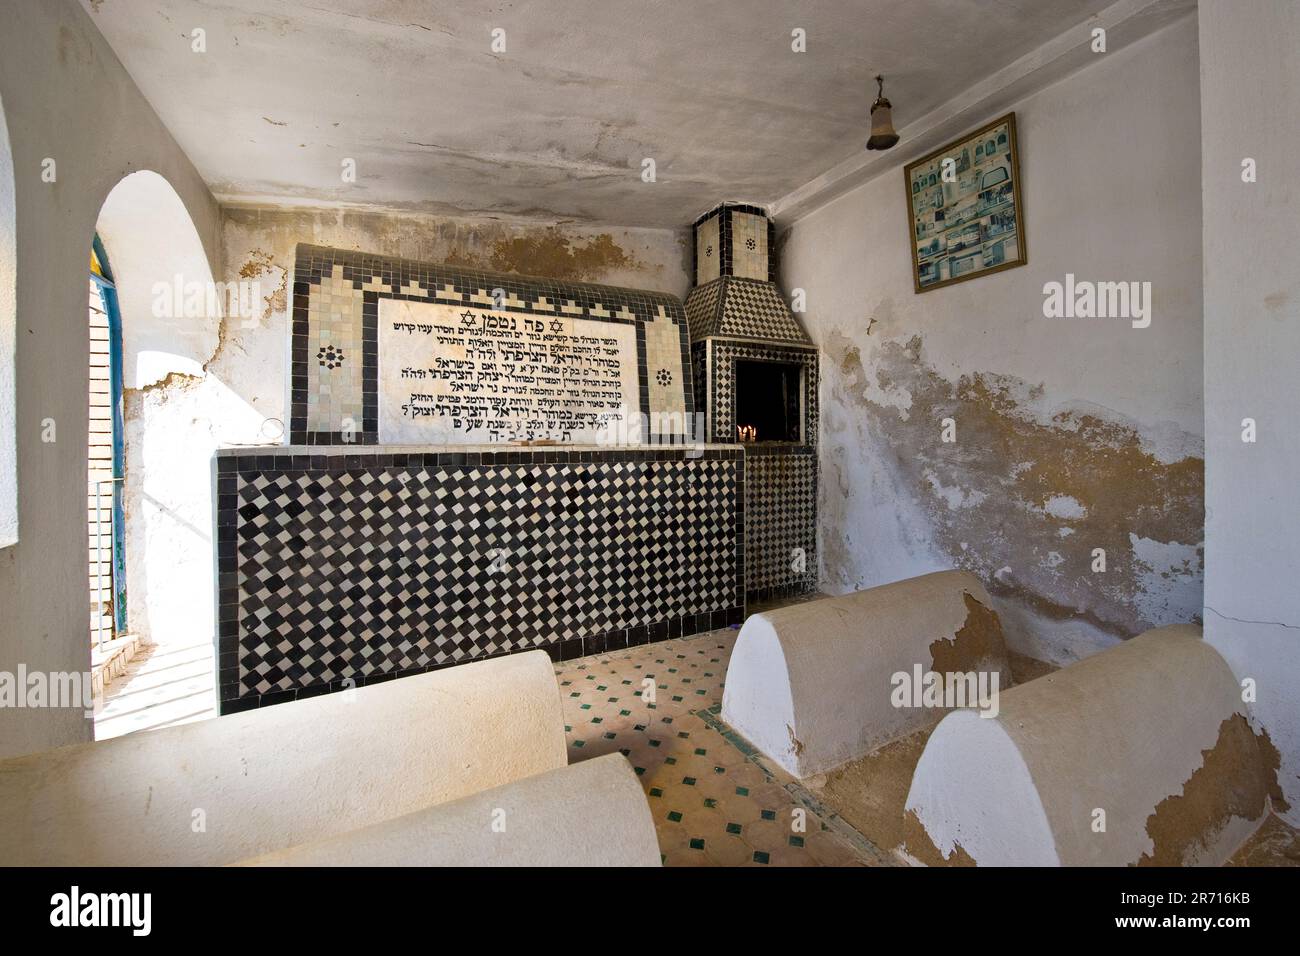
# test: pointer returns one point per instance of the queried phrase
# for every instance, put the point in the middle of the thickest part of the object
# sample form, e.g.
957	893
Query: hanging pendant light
882	121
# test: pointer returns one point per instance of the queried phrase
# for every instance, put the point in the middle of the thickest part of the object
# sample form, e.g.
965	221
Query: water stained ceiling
557	125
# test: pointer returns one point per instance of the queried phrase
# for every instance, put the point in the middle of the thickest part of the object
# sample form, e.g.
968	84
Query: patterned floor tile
711	805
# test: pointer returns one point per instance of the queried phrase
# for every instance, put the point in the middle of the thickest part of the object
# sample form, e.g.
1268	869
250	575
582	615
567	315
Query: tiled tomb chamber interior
378	545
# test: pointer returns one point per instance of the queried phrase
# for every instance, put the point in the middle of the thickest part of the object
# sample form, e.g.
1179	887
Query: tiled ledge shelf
280	452
348	565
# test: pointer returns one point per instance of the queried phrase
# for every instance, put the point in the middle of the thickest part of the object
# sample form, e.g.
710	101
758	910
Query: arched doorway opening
149	455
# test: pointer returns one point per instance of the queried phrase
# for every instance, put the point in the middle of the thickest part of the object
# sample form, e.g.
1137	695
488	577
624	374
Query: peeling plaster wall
1072	434
655	259
67	98
258	245
1252	338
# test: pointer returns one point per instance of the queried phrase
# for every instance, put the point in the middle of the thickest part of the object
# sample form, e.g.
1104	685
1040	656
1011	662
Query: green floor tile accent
626	715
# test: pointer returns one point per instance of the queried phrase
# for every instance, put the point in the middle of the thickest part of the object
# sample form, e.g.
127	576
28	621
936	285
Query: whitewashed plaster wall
1250	96
66	98
1071	434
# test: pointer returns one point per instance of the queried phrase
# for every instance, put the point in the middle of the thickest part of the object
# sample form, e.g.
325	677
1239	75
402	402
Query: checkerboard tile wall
742	309
350	567
335	346
780	523
780	479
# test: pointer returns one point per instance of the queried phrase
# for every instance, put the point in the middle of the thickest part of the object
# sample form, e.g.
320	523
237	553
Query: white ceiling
557	126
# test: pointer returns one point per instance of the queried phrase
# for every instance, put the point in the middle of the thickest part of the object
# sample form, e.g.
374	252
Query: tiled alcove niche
737	314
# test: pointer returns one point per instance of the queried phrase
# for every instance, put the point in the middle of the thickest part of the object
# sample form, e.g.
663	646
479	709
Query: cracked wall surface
1069	436
1252	337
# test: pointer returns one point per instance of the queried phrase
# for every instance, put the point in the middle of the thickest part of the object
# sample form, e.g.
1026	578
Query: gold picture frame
964	208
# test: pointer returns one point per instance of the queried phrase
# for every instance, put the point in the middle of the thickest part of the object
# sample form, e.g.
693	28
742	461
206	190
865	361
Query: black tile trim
313	263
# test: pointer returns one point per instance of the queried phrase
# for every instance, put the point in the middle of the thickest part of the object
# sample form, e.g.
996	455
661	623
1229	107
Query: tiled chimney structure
755	372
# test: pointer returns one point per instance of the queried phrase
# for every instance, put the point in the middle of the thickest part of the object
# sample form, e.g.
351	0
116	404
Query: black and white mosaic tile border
334	351
340	567
719	358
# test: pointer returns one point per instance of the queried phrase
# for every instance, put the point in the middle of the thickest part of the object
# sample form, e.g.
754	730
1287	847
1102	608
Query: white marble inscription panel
451	373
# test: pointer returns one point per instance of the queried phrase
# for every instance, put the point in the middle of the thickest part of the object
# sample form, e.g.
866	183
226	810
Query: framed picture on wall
964	207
